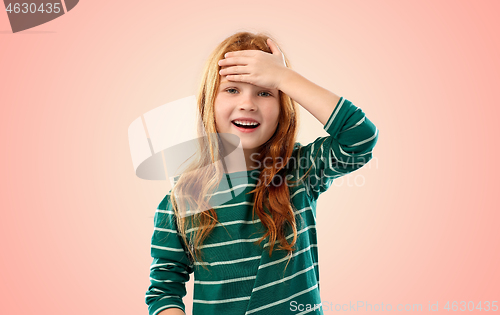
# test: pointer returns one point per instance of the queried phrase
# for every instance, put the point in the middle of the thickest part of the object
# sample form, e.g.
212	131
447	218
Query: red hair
268	195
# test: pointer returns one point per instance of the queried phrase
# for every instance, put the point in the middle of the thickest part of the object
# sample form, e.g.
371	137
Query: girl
243	264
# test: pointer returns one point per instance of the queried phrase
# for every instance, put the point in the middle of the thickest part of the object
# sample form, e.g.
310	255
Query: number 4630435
469	306
32	8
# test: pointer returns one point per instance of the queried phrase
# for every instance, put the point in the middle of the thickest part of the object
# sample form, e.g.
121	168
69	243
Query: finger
233	61
238	53
234	70
274	48
238	78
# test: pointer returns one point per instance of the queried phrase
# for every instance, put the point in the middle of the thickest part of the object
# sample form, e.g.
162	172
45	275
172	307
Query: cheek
275	113
221	116
218	121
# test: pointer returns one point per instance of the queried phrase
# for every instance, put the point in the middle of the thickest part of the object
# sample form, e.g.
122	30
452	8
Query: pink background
420	225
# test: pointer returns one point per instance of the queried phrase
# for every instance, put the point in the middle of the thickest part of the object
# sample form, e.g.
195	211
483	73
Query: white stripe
310	156
253	277
345	153
249	222
227	223
244	240
170	297
224	206
231	242
282	300
159	265
225	281
153	279
157	290
222	301
298	233
165	211
335	114
298	190
366	140
357	124
339	160
235	204
285	258
165	269
219	192
284	279
165	230
262	267
166	306
168	248
228	262
330	166
230	189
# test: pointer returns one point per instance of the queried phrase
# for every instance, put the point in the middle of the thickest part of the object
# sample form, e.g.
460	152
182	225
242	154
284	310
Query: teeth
246	123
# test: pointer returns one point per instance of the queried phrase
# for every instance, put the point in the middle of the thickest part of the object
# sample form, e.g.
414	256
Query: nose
247	102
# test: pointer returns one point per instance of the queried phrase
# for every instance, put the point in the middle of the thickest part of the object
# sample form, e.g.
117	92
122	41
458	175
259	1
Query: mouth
245	127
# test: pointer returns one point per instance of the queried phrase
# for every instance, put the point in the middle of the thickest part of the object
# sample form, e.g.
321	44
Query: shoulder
296	147
165	202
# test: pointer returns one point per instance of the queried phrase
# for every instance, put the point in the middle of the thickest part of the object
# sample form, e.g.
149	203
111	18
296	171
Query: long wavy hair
202	176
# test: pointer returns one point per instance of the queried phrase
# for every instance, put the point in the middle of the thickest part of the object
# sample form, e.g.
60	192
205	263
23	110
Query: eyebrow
227	82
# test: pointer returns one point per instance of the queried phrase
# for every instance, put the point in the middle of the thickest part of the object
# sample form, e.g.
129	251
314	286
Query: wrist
286	76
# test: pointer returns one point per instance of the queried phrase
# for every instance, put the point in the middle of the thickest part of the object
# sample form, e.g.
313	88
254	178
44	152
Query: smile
245	128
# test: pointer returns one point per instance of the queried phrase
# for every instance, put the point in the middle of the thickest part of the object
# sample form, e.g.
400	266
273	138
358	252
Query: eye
230	89
268	94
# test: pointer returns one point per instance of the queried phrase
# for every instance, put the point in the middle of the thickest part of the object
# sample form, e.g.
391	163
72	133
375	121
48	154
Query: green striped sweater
242	277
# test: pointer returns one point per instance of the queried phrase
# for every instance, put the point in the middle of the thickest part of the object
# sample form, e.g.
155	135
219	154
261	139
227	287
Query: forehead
224	82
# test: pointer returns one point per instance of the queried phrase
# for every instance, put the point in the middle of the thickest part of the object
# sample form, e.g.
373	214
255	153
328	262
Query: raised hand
255	66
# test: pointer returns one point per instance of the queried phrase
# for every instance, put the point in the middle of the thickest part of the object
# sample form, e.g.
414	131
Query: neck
234	160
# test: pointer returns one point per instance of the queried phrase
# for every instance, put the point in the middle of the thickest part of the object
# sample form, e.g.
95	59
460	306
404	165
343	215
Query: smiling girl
257	253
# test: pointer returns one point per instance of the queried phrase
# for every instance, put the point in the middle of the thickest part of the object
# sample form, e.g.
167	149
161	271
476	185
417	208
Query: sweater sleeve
171	267
349	146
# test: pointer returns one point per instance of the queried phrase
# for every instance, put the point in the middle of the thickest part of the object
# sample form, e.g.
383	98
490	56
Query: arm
352	135
170	268
172	311
349	146
315	99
